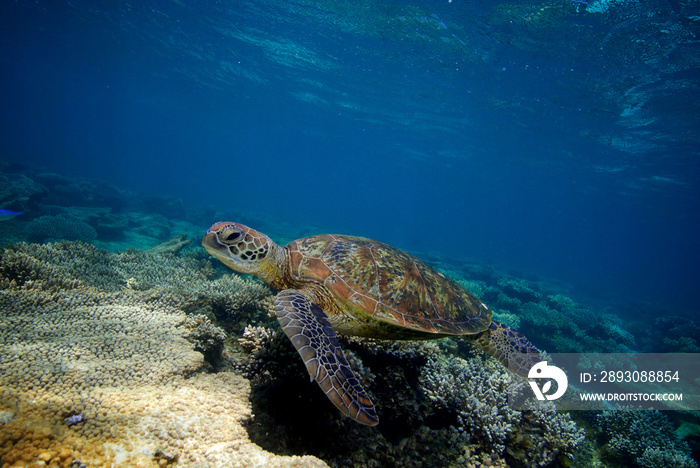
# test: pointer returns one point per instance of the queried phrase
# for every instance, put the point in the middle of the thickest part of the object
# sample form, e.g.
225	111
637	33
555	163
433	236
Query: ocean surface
557	138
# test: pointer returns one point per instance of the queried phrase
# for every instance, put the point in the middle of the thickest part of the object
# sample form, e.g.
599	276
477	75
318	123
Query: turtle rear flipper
307	327
510	347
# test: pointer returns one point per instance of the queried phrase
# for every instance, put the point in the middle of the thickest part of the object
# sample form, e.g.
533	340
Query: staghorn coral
108	379
477	390
558	438
420	351
266	355
644	438
233	295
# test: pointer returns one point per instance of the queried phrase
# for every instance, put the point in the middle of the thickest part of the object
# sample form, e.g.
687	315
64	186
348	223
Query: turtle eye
231	236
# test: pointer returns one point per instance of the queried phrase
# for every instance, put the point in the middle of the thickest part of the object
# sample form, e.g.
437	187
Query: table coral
98	364
59	227
109	379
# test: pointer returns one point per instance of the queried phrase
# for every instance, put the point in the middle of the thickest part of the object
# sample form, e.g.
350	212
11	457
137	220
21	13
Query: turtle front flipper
307	327
510	347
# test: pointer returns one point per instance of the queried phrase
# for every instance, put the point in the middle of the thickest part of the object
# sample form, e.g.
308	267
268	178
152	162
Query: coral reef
477	390
220	380
644	438
680	334
424	396
255	339
292	416
192	275
19	192
109	379
558	324
518	288
481	404
207	338
59	207
551	320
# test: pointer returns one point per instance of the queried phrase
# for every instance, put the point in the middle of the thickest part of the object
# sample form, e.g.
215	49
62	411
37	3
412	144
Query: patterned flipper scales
307	327
510	347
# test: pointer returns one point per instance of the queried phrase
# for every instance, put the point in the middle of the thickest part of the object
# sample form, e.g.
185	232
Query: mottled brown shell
388	284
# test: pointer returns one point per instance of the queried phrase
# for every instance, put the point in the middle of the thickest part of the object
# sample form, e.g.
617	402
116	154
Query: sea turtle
356	286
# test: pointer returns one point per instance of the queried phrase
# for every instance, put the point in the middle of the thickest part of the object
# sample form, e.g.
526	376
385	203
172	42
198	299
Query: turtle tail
510	347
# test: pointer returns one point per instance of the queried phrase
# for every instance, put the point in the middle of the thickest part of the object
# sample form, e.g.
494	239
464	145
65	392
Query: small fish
7	214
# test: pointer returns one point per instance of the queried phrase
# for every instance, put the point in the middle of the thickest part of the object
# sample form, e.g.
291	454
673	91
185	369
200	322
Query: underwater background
544	154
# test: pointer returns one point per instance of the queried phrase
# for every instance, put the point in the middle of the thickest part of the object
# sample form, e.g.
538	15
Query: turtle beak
211	243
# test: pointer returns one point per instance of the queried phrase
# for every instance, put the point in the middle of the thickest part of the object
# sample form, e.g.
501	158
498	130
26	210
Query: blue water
557	138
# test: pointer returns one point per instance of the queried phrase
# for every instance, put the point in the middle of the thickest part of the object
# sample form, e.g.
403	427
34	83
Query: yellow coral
109	380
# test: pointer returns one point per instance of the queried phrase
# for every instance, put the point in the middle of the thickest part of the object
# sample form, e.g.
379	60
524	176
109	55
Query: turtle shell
377	284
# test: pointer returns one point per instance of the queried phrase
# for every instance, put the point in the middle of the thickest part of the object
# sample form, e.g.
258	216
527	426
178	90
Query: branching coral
235	295
512	320
478	391
416	351
207	337
653	457
255	338
480	400
646	438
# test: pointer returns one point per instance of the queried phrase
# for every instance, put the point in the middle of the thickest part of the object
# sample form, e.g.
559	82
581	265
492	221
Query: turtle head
243	249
